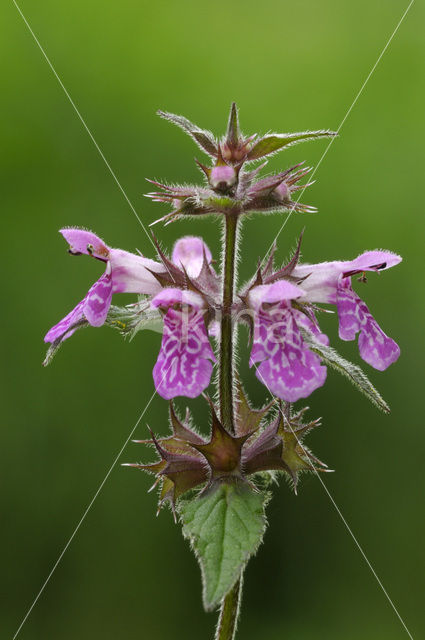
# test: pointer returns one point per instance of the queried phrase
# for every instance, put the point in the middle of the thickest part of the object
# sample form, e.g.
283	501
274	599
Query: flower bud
282	193
222	177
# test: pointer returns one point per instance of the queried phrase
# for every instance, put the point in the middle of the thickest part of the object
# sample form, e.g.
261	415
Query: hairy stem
229	613
230	605
226	340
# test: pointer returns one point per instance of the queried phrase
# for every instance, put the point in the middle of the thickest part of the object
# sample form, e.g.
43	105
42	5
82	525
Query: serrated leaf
276	141
204	139
225	528
353	372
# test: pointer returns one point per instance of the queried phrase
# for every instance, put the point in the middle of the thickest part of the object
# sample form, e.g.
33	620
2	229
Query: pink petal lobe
311	325
320	281
189	252
372	261
87	242
287	367
98	300
168	297
132	273
184	366
63	326
270	293
375	347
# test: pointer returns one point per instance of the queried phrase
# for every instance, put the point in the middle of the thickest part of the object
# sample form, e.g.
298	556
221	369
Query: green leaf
276	141
356	375
225	527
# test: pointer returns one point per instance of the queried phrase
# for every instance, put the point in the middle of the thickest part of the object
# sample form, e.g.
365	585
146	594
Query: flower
184	364
287	367
330	282
189	252
125	272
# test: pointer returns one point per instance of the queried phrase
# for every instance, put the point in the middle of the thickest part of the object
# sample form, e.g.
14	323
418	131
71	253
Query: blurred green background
290	66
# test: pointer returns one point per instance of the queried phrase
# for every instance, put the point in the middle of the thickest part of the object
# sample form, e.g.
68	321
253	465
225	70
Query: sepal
296	457
279	447
266	274
133	318
248	420
179	469
223	452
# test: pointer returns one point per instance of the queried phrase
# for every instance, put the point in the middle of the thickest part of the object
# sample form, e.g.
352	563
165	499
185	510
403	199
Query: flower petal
98	300
269	293
87	242
170	296
372	261
287	367
61	328
311	325
184	366
320	281
189	252
132	273
375	347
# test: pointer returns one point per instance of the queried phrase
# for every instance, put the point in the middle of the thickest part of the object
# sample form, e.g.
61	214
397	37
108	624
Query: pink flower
189	253
184	364
125	272
330	282
287	367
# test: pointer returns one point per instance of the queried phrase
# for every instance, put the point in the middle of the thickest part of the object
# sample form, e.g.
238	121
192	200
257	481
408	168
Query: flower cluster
280	304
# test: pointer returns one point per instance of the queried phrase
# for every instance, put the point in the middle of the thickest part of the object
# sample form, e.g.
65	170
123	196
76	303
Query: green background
290	66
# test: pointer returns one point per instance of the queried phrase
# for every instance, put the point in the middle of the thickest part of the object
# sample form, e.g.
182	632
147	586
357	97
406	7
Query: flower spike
217	480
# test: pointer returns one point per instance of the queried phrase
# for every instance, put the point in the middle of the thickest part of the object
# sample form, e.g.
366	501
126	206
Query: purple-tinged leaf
203	138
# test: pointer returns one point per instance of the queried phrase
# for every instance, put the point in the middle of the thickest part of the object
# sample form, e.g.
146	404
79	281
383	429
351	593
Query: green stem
229	613
226	340
230	605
